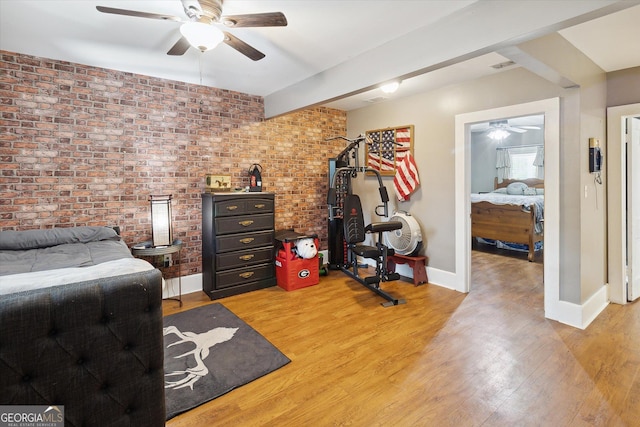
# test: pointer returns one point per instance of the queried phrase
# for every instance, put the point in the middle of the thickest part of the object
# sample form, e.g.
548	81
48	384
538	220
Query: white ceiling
328	50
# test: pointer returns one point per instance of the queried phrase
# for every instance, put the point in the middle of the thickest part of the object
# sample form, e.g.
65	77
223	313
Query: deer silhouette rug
210	351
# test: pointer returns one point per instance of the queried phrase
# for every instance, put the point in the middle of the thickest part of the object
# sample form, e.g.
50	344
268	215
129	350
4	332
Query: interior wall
433	115
587	210
582	215
623	87
87	146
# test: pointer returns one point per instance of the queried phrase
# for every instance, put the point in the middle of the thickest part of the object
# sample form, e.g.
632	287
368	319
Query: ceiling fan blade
135	13
270	19
179	48
530	127
517	130
242	47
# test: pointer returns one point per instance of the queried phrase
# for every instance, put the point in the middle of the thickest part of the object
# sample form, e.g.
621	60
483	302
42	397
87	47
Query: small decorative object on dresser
237	243
218	183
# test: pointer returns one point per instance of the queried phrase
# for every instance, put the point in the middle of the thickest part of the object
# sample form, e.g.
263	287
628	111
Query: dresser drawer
242	206
227	260
240	241
244	223
239	276
256	206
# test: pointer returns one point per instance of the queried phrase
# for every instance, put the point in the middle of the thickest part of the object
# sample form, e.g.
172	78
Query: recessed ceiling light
390	87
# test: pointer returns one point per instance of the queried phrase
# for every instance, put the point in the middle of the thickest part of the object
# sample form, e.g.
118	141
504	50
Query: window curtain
539	162
503	165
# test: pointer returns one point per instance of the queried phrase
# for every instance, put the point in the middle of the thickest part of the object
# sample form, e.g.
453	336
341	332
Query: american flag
387	148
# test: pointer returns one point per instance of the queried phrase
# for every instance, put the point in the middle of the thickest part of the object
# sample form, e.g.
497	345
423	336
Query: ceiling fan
502	125
199	29
500	129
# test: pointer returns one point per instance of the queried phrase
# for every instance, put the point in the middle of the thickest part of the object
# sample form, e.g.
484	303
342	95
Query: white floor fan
408	239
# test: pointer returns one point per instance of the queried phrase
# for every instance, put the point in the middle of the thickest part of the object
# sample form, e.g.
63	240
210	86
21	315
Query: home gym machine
347	230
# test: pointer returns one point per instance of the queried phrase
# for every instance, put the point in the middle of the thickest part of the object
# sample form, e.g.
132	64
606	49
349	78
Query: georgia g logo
303	274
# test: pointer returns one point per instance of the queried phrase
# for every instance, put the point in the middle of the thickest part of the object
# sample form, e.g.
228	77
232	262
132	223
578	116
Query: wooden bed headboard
531	182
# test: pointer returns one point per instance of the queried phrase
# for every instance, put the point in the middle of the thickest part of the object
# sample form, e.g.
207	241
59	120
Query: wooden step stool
417	263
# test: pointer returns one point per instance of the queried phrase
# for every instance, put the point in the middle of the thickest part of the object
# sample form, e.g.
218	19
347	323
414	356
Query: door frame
551	110
616	191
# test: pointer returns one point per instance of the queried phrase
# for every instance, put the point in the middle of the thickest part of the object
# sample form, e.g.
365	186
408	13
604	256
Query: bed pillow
516	188
502	190
33	239
529	191
540	191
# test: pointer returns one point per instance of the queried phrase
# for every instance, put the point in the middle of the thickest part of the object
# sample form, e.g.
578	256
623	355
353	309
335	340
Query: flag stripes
406	180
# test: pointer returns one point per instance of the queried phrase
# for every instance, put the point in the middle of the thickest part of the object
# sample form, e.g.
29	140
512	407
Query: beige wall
623	87
582	220
433	115
583	200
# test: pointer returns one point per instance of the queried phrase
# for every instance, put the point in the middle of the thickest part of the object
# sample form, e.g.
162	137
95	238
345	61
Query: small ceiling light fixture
390	87
498	134
201	36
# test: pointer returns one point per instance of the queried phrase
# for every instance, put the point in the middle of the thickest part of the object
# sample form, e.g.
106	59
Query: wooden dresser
237	243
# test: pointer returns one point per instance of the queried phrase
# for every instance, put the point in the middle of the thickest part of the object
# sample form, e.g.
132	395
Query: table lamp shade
161	220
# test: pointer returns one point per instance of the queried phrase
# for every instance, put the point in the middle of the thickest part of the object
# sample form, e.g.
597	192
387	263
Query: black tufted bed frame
93	346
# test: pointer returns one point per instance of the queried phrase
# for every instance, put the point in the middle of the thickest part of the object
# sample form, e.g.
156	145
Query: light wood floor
487	358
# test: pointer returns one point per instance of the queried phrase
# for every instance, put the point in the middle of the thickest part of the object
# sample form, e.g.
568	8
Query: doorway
507	187
550	109
623	202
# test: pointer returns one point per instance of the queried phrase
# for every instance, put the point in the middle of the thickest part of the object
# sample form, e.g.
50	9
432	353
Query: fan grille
406	240
400	239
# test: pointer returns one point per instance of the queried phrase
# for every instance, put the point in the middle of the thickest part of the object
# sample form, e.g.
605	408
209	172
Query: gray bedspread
39	250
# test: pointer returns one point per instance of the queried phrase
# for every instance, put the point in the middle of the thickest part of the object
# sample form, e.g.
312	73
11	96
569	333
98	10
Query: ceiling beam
479	28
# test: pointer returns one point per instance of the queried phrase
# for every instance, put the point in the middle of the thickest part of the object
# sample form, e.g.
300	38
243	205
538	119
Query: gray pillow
33	239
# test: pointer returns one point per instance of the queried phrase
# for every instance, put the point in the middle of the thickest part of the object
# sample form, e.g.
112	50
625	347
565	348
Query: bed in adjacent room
510	217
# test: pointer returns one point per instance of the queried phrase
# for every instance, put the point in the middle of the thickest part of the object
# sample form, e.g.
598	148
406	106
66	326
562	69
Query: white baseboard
580	316
445	279
190	284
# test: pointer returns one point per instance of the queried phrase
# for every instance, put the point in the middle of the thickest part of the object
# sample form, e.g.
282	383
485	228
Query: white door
633	208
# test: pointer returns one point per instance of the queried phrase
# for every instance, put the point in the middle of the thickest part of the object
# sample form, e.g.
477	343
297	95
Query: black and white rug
208	352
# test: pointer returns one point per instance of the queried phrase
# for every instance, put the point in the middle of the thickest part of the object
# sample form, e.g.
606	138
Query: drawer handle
246	223
247	240
246	257
259	206
246	275
232	208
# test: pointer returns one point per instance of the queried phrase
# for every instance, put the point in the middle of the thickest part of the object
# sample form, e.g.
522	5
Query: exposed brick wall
81	145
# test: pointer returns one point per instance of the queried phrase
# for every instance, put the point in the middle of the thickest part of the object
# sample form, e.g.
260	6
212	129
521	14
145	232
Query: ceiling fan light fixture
498	134
201	36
